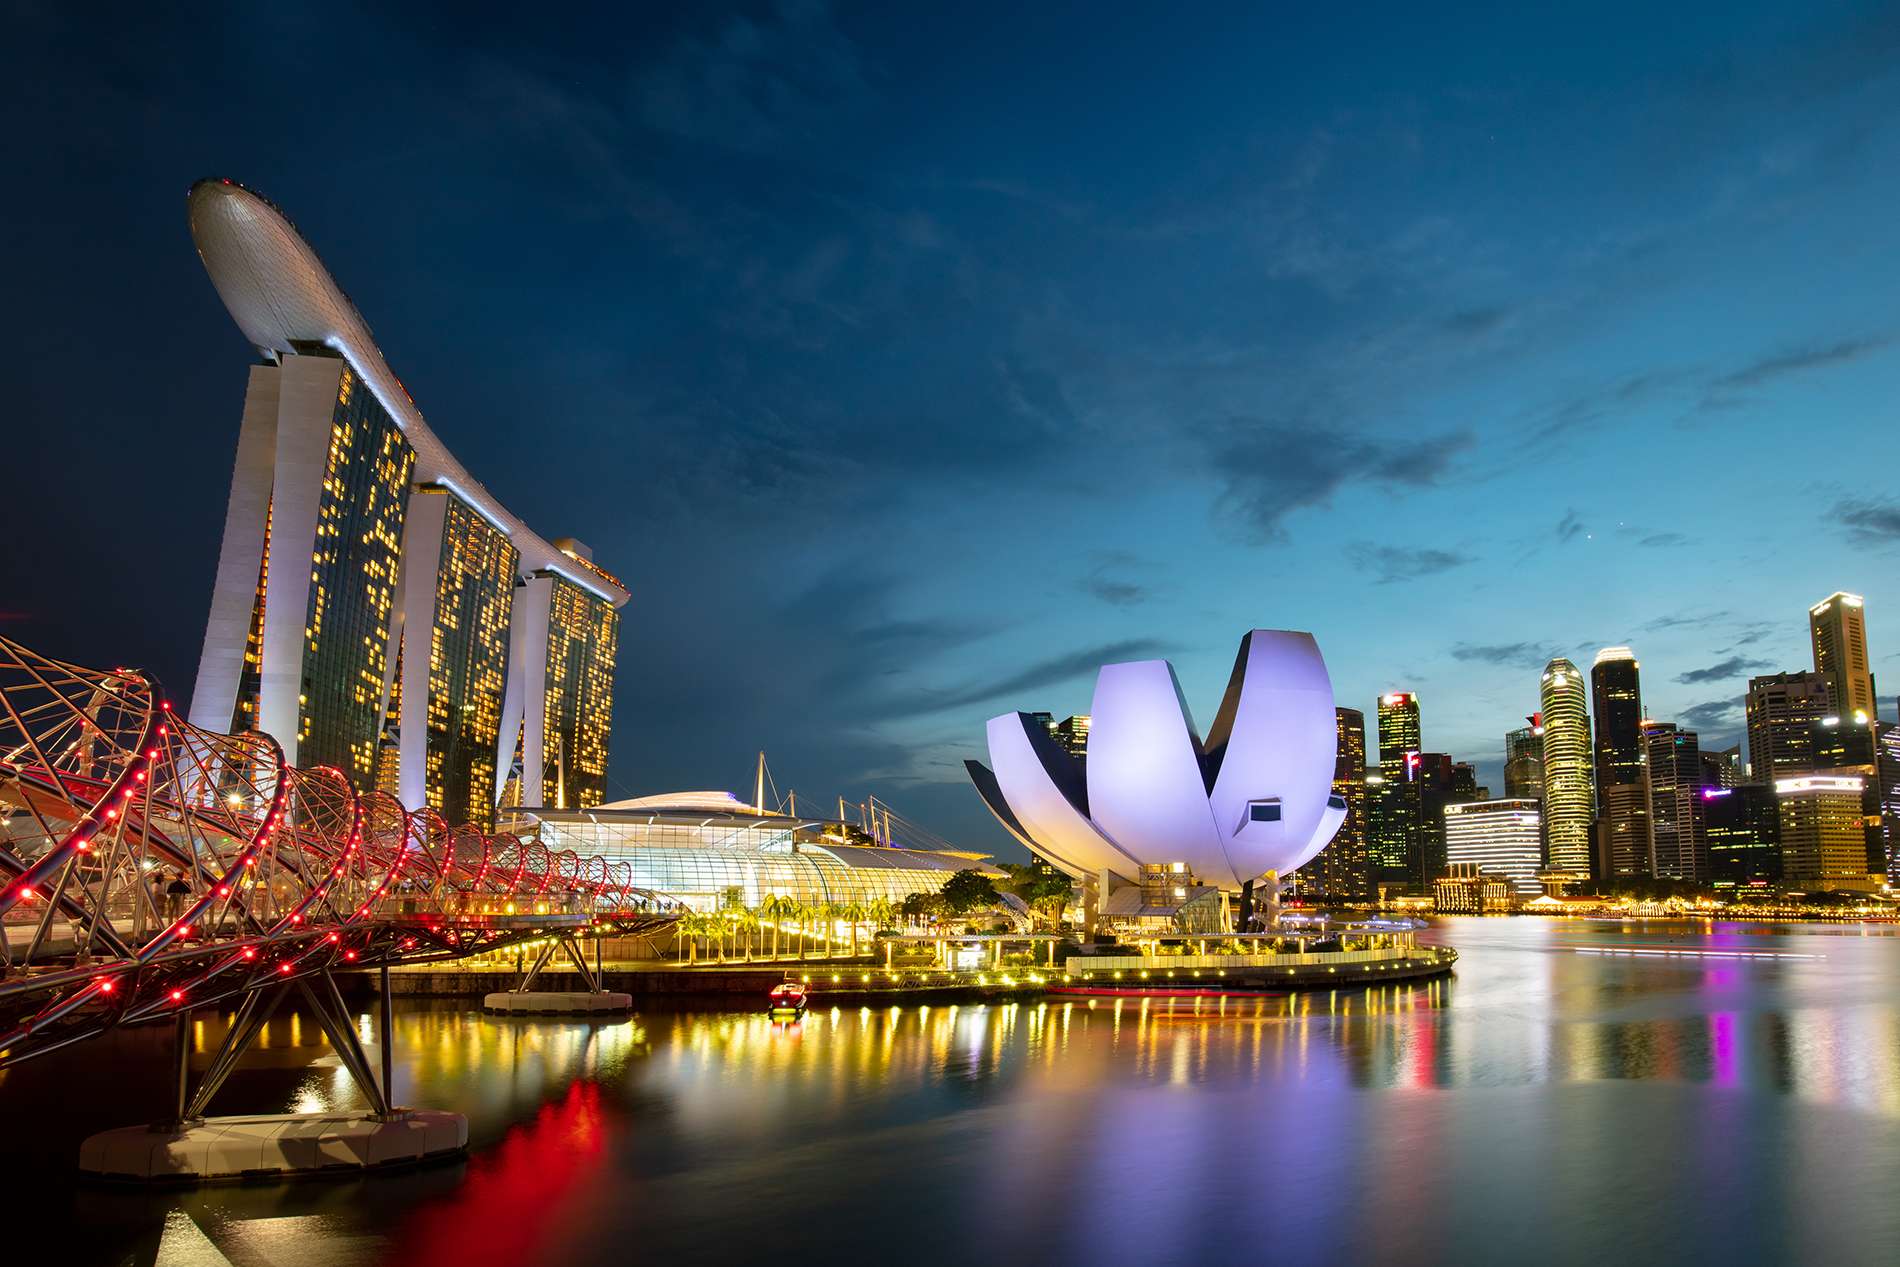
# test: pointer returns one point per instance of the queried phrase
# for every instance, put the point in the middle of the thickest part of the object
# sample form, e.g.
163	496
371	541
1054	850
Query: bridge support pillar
191	1147
593	1001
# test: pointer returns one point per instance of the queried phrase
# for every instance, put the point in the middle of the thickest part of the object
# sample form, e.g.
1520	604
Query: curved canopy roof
281	296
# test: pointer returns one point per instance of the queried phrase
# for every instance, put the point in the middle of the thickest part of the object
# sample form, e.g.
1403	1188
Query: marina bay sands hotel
376	609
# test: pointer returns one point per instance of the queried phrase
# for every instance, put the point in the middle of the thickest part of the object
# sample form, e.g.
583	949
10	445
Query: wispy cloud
1722	671
1396	563
1019	688
1663	540
1525	655
1869	522
1767	369
1571	525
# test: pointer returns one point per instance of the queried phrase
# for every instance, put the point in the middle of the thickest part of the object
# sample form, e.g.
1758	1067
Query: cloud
1722	671
1769	368
1527	655
1045	674
1569	526
1713	715
1663	540
1395	563
1271	470
1114	592
1678	622
1869	522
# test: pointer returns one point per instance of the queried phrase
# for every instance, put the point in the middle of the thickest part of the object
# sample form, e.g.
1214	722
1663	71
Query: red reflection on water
518	1195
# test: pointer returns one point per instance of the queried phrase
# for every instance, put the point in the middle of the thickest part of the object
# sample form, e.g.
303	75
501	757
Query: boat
786	998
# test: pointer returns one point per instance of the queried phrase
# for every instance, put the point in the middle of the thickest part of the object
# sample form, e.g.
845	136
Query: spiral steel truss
148	867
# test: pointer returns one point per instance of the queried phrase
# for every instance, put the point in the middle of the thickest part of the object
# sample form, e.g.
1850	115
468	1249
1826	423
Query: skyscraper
1346	865
1679	841
1436	776
1395	810
1743	827
1568	801
1073	734
1846	745
1502	836
1524	761
1823	842
1622	803
1782	710
1837	625
387	656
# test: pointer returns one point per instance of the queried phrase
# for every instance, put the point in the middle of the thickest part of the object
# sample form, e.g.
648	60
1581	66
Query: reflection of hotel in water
435	643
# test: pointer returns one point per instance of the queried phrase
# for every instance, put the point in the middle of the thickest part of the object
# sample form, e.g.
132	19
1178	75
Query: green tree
968	890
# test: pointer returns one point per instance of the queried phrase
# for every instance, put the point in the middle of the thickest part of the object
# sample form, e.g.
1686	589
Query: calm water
1559	1100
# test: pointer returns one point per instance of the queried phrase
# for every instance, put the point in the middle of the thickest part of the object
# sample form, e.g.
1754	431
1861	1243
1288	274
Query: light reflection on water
1543	1102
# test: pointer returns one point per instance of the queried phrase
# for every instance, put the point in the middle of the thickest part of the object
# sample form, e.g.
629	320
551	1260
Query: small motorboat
786	999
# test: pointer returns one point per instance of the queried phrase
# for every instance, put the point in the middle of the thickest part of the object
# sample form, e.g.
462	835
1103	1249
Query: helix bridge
149	868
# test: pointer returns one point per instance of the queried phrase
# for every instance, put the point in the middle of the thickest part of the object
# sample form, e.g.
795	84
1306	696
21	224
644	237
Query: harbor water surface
1576	1092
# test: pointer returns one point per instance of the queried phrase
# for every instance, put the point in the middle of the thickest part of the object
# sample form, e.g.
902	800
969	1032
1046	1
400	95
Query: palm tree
854	912
773	908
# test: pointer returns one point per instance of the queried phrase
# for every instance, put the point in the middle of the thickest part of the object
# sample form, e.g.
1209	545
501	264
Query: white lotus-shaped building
1253	797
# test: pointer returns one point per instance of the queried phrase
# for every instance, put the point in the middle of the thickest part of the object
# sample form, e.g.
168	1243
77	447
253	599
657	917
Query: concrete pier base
273	1146
557	1003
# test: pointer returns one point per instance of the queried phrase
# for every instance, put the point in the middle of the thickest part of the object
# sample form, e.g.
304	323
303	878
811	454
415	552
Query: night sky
908	366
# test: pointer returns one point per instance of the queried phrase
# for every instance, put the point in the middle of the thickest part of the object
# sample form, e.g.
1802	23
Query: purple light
1710	793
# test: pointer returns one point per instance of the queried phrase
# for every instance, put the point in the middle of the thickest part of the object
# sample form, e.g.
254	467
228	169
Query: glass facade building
1678	830
713	858
1346	864
1395	809
1622	803
1569	802
1504	837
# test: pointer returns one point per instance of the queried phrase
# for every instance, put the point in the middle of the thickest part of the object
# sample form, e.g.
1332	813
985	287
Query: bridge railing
148	865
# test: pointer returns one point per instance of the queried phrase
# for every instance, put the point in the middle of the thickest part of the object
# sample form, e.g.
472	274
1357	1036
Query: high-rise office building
1837	625
1622	802
1679	842
1502	836
1823	840
1395	806
1569	802
1724	767
1524	761
387	656
1743	827
1848	745
1887	765
1073	734
1782	710
1436	777
1346	865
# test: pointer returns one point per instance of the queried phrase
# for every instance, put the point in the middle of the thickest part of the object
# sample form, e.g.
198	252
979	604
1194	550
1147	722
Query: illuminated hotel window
468	661
583	637
353	585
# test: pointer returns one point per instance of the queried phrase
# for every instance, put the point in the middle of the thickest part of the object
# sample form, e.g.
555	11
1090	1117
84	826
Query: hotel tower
434	643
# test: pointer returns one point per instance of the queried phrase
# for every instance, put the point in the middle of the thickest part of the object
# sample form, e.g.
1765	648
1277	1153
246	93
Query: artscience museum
1156	813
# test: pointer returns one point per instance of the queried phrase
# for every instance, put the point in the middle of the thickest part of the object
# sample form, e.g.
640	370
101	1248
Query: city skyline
816	404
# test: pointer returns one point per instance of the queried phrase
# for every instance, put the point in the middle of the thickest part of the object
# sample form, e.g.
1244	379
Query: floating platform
557	1003
277	1146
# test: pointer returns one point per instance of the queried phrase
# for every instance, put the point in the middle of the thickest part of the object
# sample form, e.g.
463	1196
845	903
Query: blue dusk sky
909	363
